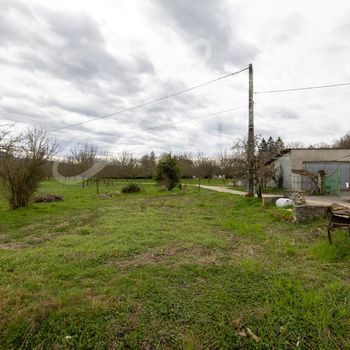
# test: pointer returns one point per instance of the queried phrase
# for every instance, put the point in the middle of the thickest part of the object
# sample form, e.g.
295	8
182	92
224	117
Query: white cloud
65	62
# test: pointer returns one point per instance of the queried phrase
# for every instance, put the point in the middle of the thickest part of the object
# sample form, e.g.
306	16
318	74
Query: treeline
343	142
128	166
28	158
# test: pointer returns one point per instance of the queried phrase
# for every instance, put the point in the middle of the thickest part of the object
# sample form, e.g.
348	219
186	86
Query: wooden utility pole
250	150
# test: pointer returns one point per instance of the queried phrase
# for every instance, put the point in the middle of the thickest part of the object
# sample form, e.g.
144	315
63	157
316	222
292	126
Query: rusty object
339	218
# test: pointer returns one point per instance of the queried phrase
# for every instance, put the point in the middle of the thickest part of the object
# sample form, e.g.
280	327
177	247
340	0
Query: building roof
287	150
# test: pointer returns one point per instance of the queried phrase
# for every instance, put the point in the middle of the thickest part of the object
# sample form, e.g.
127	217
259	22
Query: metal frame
339	218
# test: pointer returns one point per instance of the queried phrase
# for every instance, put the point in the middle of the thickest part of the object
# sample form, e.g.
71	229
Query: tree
148	165
82	158
227	164
263	151
7	140
128	165
343	142
168	172
21	165
185	164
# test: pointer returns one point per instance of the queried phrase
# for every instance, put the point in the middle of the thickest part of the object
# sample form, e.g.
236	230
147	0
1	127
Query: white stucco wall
296	158
299	156
286	162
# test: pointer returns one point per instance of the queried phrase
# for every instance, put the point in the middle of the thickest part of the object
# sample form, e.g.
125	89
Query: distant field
160	270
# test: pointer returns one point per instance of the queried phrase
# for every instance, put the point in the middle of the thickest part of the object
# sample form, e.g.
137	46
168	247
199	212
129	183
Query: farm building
299	168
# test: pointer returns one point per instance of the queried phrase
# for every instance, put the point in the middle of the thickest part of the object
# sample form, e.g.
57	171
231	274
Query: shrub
168	173
131	188
21	165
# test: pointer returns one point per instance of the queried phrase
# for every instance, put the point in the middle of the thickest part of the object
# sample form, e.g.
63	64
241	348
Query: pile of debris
47	198
298	198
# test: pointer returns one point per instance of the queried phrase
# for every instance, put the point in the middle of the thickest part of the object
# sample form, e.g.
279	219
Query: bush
21	165
131	188
168	173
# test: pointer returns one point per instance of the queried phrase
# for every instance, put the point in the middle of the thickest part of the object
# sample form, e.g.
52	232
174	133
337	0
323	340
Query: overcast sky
68	61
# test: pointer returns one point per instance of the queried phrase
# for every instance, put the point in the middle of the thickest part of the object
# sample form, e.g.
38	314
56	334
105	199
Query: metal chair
339	218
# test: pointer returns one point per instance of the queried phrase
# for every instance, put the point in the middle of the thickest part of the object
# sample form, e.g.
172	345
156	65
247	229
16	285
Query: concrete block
309	212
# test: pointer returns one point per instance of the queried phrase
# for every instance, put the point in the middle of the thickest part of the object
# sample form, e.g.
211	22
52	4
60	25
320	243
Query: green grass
271	190
208	182
183	270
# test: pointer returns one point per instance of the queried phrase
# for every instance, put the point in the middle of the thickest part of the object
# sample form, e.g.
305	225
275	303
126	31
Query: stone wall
309	212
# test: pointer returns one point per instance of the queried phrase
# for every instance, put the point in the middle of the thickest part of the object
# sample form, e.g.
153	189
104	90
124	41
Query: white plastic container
284	202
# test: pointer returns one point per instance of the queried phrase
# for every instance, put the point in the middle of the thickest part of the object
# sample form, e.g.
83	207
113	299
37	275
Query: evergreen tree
168	172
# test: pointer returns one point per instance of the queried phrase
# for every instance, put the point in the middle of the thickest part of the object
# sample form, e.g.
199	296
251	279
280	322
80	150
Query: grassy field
159	270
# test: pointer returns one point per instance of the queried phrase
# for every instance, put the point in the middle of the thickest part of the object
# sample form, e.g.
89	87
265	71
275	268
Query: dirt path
222	189
227	190
327	200
312	200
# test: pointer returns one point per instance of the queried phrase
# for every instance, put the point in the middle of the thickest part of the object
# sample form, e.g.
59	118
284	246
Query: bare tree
84	155
343	142
227	164
82	158
185	164
148	165
21	165
204	167
128	165
198	168
263	151
7	140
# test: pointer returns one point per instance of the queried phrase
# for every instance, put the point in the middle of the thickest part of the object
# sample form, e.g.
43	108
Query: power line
150	102
301	88
189	119
303	97
181	121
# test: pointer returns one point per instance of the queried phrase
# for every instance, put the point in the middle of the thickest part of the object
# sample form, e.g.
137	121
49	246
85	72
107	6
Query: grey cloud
171	86
266	132
50	122
86	109
19	113
340	43
183	106
288	28
69	46
210	20
283	113
8	34
343	27
102	139
12	11
222	125
144	66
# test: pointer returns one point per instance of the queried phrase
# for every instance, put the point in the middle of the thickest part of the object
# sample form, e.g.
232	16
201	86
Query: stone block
309	212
